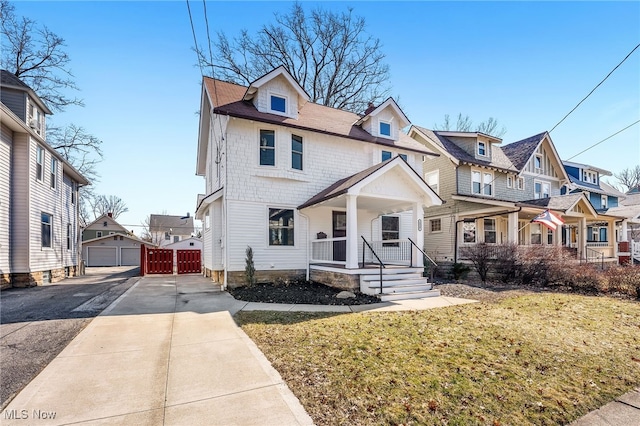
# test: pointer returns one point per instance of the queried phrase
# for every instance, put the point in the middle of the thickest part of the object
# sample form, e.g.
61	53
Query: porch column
582	237
512	228
624	232
418	235
352	232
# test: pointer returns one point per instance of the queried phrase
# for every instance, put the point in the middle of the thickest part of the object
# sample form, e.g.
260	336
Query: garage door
130	256
102	256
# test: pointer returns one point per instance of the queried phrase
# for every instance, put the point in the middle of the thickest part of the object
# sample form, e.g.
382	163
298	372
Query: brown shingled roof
519	152
227	100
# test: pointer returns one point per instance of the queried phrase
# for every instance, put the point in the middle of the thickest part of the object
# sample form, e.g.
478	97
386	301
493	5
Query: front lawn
535	359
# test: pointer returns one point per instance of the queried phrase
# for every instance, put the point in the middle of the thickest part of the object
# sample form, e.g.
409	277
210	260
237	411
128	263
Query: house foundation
238	279
337	280
36	278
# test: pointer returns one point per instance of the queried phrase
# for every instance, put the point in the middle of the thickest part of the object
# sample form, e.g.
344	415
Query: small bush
507	264
624	279
480	255
249	269
459	271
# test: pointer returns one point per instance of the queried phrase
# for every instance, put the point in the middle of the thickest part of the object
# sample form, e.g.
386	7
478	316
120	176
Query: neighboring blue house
585	178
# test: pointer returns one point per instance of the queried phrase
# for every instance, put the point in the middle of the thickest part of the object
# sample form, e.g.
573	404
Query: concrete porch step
386	297
401	284
391	270
390	277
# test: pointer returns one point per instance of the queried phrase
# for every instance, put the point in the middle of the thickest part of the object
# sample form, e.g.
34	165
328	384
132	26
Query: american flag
548	219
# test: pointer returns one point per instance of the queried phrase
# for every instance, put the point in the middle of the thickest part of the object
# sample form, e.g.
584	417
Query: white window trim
301	154
542	184
475	235
399	226
51	234
484	230
40	149
482	184
541	168
435	173
295	222
604	201
519	181
98	234
275	147
287	108
509	181
390	135
53	174
486	150
435	232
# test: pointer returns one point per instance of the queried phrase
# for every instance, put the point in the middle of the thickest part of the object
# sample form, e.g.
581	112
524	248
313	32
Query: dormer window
385	129
482	149
590	177
278	104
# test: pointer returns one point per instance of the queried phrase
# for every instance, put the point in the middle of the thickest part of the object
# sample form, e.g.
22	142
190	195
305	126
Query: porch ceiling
381	205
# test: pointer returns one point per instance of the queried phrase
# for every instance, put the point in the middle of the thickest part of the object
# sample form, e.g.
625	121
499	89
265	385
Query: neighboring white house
305	185
192	243
113	250
39	231
166	229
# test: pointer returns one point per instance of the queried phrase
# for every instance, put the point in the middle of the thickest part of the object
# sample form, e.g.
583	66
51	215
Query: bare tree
629	178
36	55
465	124
329	54
102	204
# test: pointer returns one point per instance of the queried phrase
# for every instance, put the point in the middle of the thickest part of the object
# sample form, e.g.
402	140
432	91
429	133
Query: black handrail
374	253
435	265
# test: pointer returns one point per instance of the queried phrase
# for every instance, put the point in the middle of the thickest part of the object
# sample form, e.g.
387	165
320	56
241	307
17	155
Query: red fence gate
188	261
155	261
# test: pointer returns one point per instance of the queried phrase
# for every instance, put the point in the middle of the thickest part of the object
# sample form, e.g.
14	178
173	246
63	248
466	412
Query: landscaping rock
345	295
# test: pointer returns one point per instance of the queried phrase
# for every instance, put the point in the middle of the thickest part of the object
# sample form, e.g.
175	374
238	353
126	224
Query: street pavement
37	323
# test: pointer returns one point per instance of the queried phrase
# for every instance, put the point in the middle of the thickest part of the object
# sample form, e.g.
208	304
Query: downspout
224	208
308	242
455	240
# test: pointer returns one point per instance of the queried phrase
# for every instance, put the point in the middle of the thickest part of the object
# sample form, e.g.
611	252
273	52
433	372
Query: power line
195	41
594	89
607	138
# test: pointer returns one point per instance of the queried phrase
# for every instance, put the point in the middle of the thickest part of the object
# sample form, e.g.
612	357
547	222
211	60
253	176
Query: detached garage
112	250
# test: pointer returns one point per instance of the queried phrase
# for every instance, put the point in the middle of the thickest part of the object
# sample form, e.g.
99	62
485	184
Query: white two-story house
39	226
316	192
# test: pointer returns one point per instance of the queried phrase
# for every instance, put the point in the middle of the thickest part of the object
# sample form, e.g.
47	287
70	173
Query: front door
339	231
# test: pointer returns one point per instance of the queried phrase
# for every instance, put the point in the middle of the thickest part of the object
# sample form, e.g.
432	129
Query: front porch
368	232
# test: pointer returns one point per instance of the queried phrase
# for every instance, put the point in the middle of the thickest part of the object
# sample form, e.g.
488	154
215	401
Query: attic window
385	129
278	104
482	149
104	223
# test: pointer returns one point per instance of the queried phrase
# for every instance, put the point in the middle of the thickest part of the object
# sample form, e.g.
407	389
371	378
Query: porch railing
597	244
364	245
431	265
395	252
594	256
329	250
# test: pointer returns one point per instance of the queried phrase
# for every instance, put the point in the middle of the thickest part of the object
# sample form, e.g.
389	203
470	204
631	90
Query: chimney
370	108
110	215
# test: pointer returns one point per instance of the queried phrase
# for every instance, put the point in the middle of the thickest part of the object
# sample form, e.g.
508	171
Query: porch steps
397	284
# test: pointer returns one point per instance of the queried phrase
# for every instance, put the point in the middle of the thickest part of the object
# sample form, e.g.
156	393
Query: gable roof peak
279	71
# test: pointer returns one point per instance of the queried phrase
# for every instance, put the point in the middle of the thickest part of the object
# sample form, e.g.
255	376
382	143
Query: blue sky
525	63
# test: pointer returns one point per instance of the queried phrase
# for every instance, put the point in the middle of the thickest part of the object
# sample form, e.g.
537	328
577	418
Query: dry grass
535	359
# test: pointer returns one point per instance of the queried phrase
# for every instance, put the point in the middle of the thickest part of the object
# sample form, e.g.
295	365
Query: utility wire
607	138
195	41
594	89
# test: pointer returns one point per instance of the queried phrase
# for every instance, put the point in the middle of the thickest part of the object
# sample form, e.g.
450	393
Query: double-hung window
541	190
520	183
490	231
68	236
482	149
390	230
433	180
603	201
296	152
281	229
482	183
46	230
267	148
509	181
536	233
54	172
39	162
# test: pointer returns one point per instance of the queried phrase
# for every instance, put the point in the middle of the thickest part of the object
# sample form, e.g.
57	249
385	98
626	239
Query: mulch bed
302	292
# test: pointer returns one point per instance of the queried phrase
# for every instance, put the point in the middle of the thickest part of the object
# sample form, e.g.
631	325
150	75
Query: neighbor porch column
512	228
352	232
624	232
418	235
582	237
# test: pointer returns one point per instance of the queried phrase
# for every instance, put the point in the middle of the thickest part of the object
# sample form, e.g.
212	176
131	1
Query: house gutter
455	231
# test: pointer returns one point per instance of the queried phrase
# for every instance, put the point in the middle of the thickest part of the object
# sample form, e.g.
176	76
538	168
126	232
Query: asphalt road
37	323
